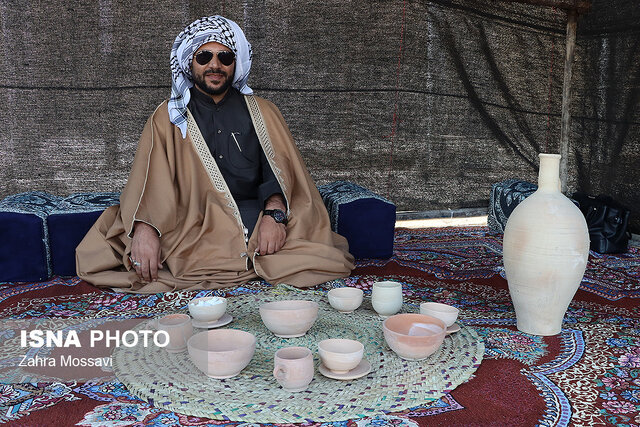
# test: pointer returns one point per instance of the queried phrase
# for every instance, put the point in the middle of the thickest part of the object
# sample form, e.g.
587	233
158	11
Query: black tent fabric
427	103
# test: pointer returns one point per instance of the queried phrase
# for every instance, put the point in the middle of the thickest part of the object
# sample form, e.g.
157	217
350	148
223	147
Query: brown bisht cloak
176	187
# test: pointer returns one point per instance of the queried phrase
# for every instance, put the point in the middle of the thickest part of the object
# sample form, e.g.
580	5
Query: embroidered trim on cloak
265	142
211	166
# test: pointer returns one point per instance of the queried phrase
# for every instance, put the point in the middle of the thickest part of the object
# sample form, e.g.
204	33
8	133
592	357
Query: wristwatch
278	215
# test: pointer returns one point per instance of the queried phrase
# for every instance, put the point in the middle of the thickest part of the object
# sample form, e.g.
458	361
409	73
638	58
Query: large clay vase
545	252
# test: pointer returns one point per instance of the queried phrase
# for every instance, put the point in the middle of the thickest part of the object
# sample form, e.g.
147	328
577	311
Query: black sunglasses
226	57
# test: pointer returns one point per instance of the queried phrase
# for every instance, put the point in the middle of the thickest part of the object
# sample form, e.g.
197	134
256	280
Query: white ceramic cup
293	368
178	327
386	297
447	313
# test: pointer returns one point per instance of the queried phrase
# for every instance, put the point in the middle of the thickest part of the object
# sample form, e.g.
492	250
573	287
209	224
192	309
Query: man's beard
199	80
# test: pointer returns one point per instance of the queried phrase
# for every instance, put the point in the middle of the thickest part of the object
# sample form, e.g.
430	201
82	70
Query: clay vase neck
549	172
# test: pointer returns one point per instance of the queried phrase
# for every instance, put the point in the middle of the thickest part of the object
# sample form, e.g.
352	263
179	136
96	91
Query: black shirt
228	131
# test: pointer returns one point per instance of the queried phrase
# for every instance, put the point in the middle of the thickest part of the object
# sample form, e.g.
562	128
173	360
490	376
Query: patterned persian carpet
587	375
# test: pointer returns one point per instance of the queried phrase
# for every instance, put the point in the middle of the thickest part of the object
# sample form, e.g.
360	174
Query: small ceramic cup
447	313
340	355
293	368
178	327
386	298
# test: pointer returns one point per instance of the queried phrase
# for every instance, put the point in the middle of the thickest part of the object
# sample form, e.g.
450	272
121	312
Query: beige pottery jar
545	252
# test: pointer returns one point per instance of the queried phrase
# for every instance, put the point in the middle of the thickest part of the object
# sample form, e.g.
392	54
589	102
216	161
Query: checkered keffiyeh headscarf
204	30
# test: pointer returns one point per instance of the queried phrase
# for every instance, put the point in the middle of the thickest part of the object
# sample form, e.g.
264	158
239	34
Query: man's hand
145	250
271	235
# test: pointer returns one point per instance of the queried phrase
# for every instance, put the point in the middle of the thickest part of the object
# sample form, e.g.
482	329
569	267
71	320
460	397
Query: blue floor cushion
366	219
39	232
69	222
24	248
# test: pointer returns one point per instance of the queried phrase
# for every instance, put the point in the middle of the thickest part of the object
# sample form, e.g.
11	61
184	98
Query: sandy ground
464	221
442	222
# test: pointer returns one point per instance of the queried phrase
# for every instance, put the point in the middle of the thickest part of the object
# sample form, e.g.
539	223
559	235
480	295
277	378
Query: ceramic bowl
447	313
207	309
413	336
340	355
221	353
345	300
289	318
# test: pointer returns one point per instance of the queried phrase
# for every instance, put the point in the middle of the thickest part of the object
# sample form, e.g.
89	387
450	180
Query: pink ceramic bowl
289	318
221	353
413	336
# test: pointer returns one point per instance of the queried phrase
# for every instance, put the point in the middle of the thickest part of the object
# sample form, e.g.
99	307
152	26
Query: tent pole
572	23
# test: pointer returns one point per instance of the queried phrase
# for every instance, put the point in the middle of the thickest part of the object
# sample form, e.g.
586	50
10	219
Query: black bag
607	221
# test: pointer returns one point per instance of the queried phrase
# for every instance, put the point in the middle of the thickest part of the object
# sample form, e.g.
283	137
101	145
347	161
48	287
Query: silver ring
136	263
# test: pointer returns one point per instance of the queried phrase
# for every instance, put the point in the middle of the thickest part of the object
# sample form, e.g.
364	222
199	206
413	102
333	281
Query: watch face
279	216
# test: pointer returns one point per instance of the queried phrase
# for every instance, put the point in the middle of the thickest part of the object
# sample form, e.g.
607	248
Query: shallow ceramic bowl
203	312
289	318
447	313
345	300
340	355
413	336
221	353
